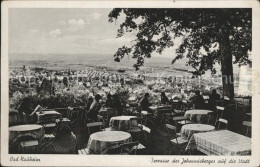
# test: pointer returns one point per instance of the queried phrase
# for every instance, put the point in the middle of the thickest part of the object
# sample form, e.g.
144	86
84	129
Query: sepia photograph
130	81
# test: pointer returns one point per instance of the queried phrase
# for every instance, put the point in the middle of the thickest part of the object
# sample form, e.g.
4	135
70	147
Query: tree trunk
226	64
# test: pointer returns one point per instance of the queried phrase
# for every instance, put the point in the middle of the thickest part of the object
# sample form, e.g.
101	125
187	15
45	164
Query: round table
121	122
101	142
18	131
198	116
189	129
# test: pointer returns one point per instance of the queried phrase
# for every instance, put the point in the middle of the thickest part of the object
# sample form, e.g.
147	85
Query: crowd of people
113	101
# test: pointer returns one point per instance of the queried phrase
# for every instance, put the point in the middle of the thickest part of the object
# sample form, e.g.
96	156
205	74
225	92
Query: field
155	66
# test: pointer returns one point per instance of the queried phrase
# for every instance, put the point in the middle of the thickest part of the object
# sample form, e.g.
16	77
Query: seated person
117	104
90	101
145	104
164	98
197	100
109	101
94	108
212	100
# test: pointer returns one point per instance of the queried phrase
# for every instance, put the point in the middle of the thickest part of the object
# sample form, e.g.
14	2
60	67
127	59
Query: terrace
173	128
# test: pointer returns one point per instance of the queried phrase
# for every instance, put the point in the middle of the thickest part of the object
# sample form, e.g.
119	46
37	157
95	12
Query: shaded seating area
170	129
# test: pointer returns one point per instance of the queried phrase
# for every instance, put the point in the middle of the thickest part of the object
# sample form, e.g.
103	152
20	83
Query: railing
49	109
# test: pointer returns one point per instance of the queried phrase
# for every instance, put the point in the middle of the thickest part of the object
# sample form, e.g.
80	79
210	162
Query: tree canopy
203	32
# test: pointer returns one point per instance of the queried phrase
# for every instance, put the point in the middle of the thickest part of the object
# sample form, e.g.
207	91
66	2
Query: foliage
28	102
16	85
202	31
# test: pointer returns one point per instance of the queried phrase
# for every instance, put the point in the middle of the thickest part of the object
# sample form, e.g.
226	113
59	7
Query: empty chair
240	106
106	117
221	121
28	142
69	112
82	116
210	118
74	140
146	116
238	101
177	106
179	142
134	126
249	115
74	115
83	151
185	106
93	125
135	129
49	126
129	148
47	141
100	119
220	111
31	143
166	113
247	105
247	102
140	147
181	120
48	136
248	126
166	117
63	125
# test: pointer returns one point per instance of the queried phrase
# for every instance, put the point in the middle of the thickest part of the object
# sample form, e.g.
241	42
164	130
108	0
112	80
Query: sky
66	31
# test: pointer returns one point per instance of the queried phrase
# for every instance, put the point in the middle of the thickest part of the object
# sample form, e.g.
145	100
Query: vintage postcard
130	83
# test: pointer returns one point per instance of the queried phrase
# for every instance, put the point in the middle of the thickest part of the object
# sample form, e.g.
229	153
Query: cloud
75	25
96	16
92	16
55	32
75	22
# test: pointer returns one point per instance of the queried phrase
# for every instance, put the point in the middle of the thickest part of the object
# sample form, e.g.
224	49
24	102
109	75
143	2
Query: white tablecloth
121	122
197	116
188	130
101	142
15	132
47	117
223	142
